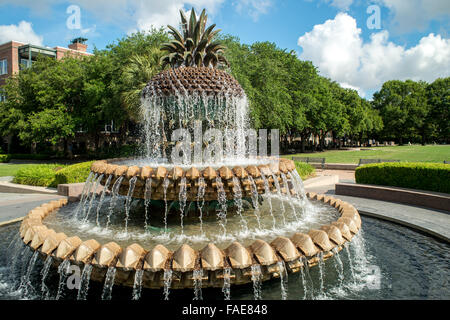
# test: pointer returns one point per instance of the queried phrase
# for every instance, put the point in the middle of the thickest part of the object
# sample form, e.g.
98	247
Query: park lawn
416	153
7	169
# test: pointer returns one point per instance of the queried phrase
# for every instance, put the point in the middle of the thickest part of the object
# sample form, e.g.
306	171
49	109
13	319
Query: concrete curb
406	224
9	187
321	181
5	223
438	201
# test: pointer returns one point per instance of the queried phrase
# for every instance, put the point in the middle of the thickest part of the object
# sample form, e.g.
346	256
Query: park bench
311	160
446	162
368	161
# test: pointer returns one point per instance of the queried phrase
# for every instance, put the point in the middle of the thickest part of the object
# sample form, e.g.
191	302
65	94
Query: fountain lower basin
235	263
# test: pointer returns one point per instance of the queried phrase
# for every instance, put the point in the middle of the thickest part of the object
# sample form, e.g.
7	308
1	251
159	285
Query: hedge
73	174
5	158
304	170
50	175
42	175
421	176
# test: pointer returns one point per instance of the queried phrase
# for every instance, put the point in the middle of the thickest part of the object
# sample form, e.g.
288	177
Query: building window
2	97
3	67
25	63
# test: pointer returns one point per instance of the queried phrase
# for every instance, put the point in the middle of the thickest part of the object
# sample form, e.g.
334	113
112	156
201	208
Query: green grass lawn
7	169
404	153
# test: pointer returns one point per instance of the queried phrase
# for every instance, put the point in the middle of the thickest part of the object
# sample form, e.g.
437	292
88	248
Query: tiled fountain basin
283	253
250	179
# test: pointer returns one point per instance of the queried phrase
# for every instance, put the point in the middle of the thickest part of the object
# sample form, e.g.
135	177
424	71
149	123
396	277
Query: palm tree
136	74
195	47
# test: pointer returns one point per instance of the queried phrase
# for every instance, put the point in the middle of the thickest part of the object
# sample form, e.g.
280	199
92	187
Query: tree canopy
52	100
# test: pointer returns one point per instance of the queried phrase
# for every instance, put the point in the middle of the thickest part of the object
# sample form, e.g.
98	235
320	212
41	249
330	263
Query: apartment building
16	55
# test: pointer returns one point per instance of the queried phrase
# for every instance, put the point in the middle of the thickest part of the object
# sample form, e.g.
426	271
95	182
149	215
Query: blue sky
412	41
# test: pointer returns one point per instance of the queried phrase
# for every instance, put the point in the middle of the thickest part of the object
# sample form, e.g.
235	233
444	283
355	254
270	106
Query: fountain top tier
191	81
165	182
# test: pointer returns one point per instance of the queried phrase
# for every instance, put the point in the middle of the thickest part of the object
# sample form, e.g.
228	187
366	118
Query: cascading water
226	284
84	282
321	273
115	194
339	266
63	271
256	278
167	283
90	195
147	199
283	280
182	196
255	197
26	278
237	195
128	201
198	276
137	286
201	201
102	198
93	195
221	197
45	293
109	283
267	191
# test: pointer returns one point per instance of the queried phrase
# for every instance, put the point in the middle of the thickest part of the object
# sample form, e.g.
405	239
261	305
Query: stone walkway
433	222
17	205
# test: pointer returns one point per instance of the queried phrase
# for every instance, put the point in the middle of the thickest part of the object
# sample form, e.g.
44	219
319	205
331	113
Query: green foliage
50	175
195	46
76	173
4	158
421	176
304	170
403	107
42	175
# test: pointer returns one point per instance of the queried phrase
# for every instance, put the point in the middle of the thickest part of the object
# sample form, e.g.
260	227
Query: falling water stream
84	282
257	279
137	286
182	196
147	200
45	293
198	276
222	198
167	283
109	283
128	201
226	283
102	198
115	194
63	271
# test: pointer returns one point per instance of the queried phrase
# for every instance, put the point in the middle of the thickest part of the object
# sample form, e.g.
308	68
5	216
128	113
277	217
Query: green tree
437	123
403	107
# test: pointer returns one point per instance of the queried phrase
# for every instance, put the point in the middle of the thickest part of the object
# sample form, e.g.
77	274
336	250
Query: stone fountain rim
328	241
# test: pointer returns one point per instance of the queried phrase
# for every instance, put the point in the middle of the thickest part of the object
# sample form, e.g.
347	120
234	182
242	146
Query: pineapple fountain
171	220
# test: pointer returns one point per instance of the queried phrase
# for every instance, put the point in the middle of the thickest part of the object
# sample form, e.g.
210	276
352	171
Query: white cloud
130	14
254	8
340	53
413	15
23	32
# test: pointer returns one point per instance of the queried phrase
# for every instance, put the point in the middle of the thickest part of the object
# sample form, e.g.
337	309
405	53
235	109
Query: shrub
304	170
422	176
73	174
42	175
4	158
